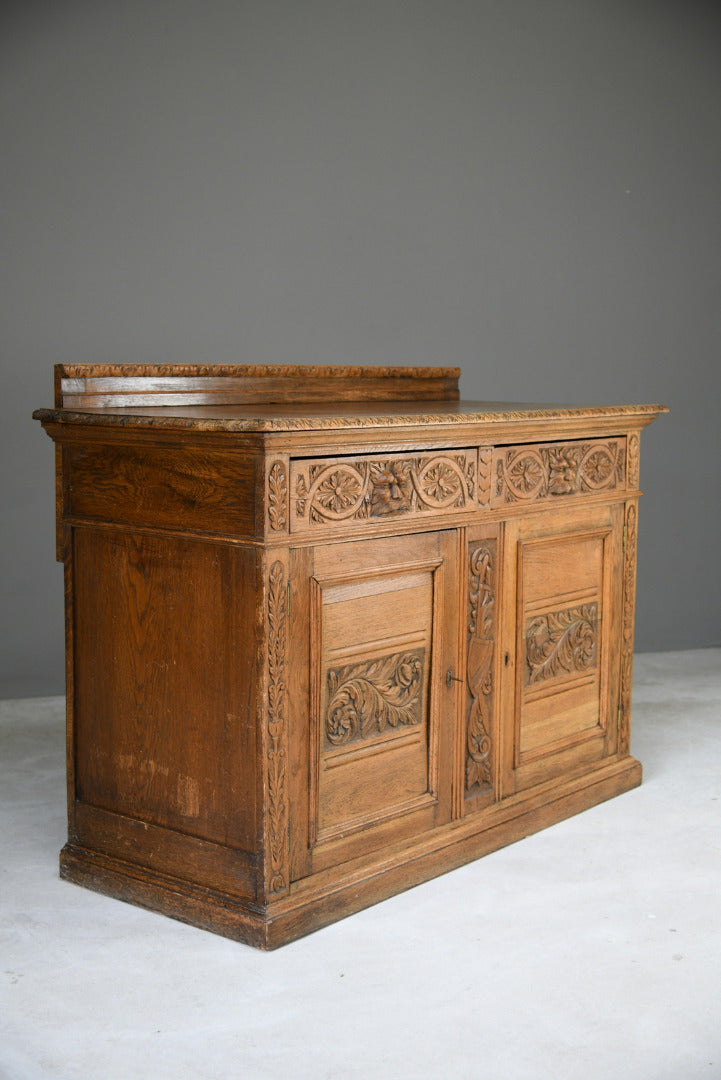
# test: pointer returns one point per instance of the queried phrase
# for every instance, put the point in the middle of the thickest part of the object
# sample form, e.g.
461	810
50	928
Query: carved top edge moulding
226	398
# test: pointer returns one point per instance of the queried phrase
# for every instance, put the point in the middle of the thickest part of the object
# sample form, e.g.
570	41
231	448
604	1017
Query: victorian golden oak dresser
332	631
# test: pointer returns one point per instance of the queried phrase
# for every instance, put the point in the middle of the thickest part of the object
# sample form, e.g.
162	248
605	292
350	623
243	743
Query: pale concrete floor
589	951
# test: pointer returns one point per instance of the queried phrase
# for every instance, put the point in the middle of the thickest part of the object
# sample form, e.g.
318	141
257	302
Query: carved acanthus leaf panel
634	461
525	473
479	666
368	697
561	643
372	488
277	730
278	497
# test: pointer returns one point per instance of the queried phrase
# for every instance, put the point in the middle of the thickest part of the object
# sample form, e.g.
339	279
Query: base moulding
317	903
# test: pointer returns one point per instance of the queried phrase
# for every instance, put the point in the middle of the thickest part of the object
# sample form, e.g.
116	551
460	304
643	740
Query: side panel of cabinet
164	673
563	588
373	723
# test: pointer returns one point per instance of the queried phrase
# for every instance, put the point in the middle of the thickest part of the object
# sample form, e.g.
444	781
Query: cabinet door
374	722
563	588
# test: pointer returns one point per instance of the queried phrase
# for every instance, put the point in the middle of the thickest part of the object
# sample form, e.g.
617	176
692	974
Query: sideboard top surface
225	398
325	417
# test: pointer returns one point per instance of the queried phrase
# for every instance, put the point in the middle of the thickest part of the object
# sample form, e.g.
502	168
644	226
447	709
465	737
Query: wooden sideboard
332	631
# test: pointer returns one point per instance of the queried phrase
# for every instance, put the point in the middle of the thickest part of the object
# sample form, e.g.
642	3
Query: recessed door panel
375	658
566	597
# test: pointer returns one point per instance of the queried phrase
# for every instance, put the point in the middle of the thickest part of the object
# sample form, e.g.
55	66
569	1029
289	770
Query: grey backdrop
528	190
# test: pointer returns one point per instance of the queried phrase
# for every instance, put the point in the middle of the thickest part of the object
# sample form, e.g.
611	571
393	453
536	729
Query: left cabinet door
374	638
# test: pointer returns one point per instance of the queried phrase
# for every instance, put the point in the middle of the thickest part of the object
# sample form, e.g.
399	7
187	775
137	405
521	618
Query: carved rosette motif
278	497
538	472
562	643
367	698
333	493
481	636
357	490
629	593
277	756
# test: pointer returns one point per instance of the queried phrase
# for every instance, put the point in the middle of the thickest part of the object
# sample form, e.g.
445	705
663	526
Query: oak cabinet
332	631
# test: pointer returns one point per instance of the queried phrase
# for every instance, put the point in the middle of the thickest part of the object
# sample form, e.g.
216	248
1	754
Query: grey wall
528	190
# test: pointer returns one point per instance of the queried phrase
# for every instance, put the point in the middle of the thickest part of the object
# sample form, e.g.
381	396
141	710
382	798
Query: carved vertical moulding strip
277	498
277	752
629	593
481	639
634	461
485	468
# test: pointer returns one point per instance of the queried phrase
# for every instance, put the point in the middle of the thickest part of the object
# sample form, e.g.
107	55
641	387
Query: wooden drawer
328	492
527	473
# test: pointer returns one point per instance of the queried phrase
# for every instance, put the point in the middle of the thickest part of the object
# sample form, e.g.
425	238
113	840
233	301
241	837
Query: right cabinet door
563	601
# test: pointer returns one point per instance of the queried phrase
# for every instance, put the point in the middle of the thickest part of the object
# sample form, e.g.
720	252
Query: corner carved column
629	597
276	734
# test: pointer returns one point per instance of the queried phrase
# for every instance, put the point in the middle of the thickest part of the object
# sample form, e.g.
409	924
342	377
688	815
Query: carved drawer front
331	492
528	473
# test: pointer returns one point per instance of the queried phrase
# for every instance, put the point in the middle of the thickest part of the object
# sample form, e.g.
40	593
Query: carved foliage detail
629	594
562	643
370	489
277	730
485	464
523	473
278	497
481	634
574	468
366	698
634	460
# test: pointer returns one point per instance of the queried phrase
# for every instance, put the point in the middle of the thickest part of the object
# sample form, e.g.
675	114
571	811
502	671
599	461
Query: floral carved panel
479	667
375	488
368	698
561	643
526	473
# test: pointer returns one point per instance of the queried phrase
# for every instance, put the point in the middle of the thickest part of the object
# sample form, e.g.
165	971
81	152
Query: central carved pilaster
481	635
